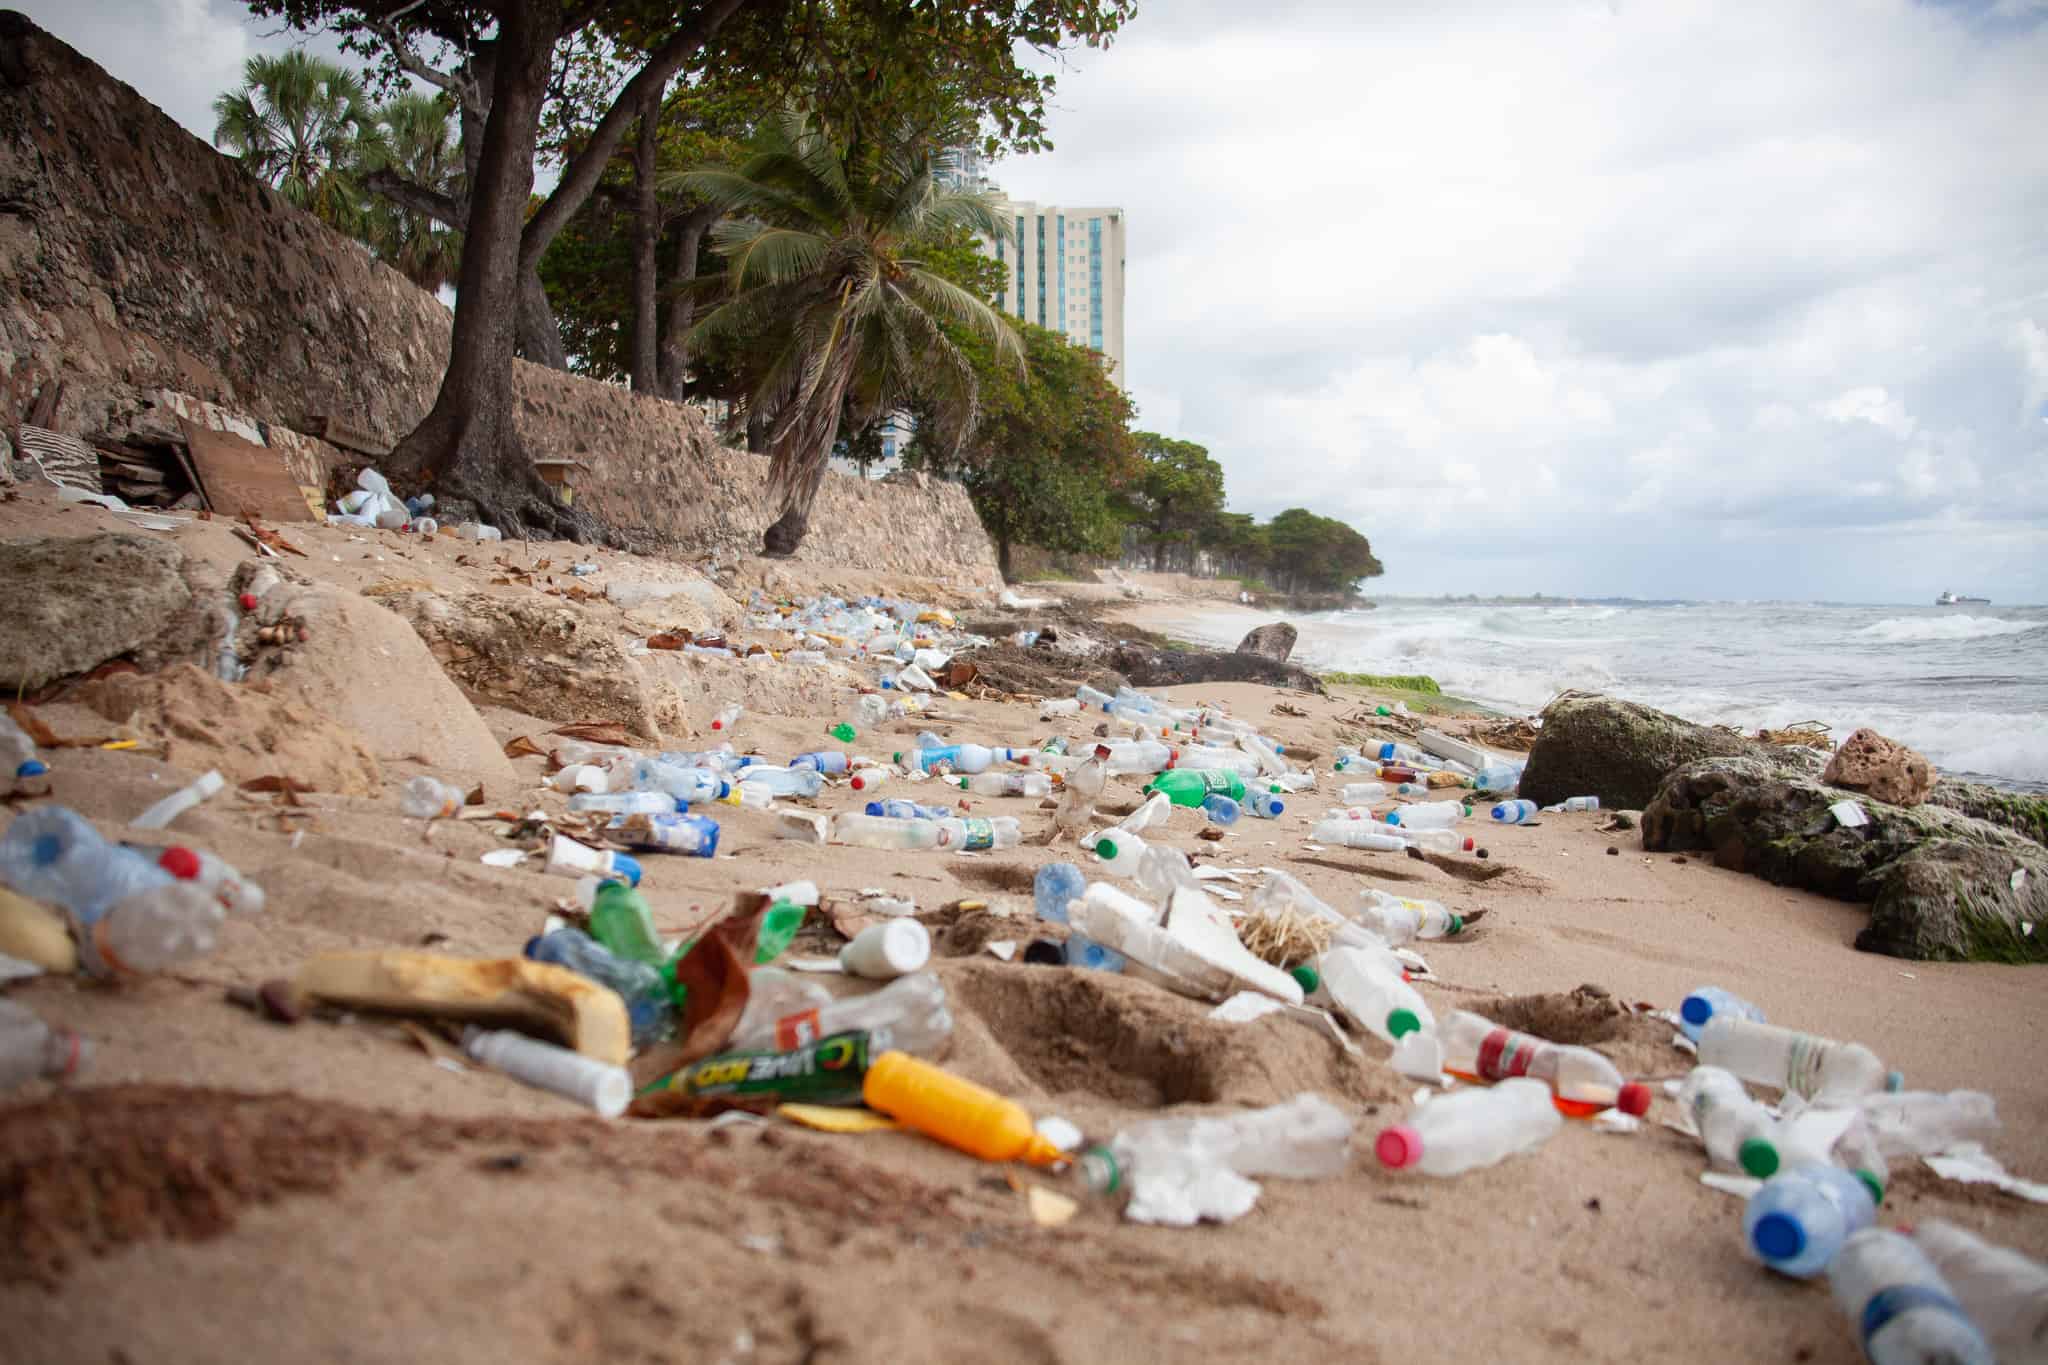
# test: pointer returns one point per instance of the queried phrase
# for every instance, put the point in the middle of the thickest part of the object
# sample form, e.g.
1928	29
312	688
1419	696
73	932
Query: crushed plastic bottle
1220	809
1734	1128
1398	919
1054	888
1181	1171
1367	986
151	930
1923	1123
688	785
784	781
20	763
1265	805
881	831
898	809
692	835
30	1049
1005	784
1497	778
910	1013
1467	1129
622	921
1903	1310
2004	1293
1711	1002
1153	813
1799	1219
1806	1065
426	798
727	716
822	761
1583	1080
649	1008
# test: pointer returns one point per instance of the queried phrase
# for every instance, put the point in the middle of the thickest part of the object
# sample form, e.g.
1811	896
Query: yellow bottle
957	1112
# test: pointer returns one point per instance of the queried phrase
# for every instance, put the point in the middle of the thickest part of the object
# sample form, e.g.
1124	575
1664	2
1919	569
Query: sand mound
1591	1017
245	731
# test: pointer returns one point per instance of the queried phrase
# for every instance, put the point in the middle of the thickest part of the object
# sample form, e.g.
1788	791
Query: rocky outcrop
1149	667
1883	768
1274	640
1943	885
532	655
71	604
1620	751
2019	812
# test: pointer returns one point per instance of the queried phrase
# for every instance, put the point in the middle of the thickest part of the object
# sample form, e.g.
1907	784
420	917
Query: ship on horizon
1949	599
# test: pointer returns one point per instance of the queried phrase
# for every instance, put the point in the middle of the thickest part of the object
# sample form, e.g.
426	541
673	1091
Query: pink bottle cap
1398	1146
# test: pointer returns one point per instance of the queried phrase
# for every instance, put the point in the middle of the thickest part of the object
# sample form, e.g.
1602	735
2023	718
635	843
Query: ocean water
1967	686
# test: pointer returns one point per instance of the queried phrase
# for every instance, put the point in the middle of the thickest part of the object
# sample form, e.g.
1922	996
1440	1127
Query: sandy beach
219	1186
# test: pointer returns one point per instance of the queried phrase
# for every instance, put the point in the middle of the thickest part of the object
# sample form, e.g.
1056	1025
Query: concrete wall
147	271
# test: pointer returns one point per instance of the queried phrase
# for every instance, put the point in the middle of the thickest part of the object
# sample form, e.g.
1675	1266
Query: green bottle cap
1105	848
1308	976
1758	1157
1402	1022
1457	926
896	758
1873	1184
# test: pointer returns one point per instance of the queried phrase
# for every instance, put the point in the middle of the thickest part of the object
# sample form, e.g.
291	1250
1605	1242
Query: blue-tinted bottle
640	985
1799	1219
1265	805
1708	1003
1220	809
896	808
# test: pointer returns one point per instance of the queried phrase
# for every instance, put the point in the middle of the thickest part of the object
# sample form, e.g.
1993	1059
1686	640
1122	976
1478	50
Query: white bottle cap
884	951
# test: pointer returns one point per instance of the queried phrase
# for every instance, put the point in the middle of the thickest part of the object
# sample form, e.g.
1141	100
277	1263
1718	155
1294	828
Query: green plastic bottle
778	928
1189	786
621	921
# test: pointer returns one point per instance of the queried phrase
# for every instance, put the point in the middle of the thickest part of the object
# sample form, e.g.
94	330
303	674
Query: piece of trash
1909	976
1969	1164
1060	1132
178	802
1684	1044
1849	814
1004	949
1727	1182
1614	1121
504	857
2018	878
1049	1210
1246	1006
595	1085
14	969
812	964
1419	1056
830	1118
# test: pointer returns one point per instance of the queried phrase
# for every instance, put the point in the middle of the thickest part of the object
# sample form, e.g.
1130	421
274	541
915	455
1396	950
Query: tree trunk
1158	552
646	363
467	446
1003	560
801	455
540	336
682	309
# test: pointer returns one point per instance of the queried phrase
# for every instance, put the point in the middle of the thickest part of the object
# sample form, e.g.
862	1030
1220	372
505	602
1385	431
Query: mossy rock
1387	682
2021	812
1620	751
1941	884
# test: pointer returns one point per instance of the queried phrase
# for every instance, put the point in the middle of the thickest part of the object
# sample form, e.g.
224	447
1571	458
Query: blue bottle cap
627	867
1778	1237
1697	1009
875	808
710	848
35	767
1275	807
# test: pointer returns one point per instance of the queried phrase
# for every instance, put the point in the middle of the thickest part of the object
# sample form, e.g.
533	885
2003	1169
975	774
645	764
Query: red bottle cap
1634	1099
248	601
1398	1146
180	862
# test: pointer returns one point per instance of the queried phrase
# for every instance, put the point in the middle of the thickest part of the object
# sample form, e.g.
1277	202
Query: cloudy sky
1700	298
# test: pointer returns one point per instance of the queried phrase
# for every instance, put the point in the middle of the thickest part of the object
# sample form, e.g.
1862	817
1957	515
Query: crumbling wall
145	270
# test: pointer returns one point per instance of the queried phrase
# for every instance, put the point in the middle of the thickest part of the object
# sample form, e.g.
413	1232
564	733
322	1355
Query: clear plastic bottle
1005	784
1923	1122
694	836
1139	756
1515	812
1468	1129
1711	1002
1363	793
569	858
898	809
237	894
1429	815
29	1048
1089	696
910	1010
784	781
1802	1063
962	758
1799	1219
20	765
53	854
1584	1081
685	784
867	780
1903	1310
752	795
2004	1293
1366	834
1306	1138
1120	853
1265	805
625	803
1378	751
1054	888
425	798
1497	778
975	834
1578	803
1053	708
1367	987
649	1008
1220	809
822	760
1397	919
151	930
880	831
1224	760
727	716
1442	840
1155	811
1734	1128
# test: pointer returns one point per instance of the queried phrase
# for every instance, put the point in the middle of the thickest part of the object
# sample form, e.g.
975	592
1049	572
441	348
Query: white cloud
1869	404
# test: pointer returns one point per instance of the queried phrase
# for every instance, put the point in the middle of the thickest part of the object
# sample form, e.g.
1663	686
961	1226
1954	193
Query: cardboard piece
241	478
534	997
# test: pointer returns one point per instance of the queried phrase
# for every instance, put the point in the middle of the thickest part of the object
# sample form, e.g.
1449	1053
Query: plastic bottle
1207	756
1362	984
1904	1311
1577	803
1265	805
29	1048
844	731
1515	812
975	834
1363	793
237	894
1005	784
1054	888
1139	756
727	716
910	1012
1733	1127
424	798
693	835
53	854
1348	833
625	803
1442	840
1397	919
648	1006
869	711
867	780
1429	815
1923	1123
1497	777
1711	1002
621	920
1799	1219
885	951
1190	786
964	758
19	763
821	760
2004	1293
752	795
898	809
591	1083
1053	708
1221	810
881	831
151	930
1307	1138
1089	696
685	784
1152	813
568	858
1583	1080
1467	1129
784	781
1120	853
1802	1063
954	1110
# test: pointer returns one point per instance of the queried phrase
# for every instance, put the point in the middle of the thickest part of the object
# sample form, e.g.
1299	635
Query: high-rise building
1063	269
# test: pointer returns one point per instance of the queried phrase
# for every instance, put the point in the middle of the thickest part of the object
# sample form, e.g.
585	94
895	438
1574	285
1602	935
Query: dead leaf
522	746
957	675
668	639
715	973
1209	832
475	796
288	787
597	732
38	730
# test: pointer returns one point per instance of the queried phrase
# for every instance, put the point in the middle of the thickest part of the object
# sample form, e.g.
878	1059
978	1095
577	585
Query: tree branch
463	89
416	198
584	169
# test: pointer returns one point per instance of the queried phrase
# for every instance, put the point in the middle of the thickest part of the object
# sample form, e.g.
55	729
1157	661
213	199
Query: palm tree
417	140
303	124
829	307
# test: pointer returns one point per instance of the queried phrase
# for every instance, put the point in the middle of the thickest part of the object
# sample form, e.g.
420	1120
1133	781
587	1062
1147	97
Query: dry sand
221	1187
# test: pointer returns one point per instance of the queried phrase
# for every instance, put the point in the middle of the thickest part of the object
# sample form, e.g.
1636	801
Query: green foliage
1178	494
304	125
417	140
1312	553
1387	682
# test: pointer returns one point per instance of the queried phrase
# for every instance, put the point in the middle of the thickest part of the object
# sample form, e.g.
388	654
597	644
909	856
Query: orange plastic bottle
956	1112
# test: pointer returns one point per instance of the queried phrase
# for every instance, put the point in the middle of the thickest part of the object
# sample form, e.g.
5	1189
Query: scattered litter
1727	1182
505	857
1246	1006
1005	949
1050	1210
1616	1122
178	802
813	964
1970	1164
1849	814
828	1118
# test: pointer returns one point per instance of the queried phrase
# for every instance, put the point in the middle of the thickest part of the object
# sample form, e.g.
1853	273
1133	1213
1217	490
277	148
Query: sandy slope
227	1188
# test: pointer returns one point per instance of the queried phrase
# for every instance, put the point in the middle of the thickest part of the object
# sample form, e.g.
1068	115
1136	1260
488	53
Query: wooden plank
242	478
346	434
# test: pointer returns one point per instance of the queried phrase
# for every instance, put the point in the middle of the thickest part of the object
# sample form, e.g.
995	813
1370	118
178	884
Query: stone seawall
145	270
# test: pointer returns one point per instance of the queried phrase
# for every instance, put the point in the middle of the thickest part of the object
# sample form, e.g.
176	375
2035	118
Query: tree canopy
1177	494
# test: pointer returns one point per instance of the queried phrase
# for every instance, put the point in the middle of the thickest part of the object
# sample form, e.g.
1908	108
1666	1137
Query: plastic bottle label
829	1071
1504	1053
798	1030
980	834
1803	1062
1887	1304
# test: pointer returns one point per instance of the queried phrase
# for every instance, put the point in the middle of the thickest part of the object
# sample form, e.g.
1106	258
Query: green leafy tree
1050	454
304	125
1311	553
418	142
1179	492
828	297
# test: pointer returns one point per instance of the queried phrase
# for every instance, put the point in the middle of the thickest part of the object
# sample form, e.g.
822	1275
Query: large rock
1944	885
71	604
1620	751
2017	811
1148	667
533	655
1274	640
1884	768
